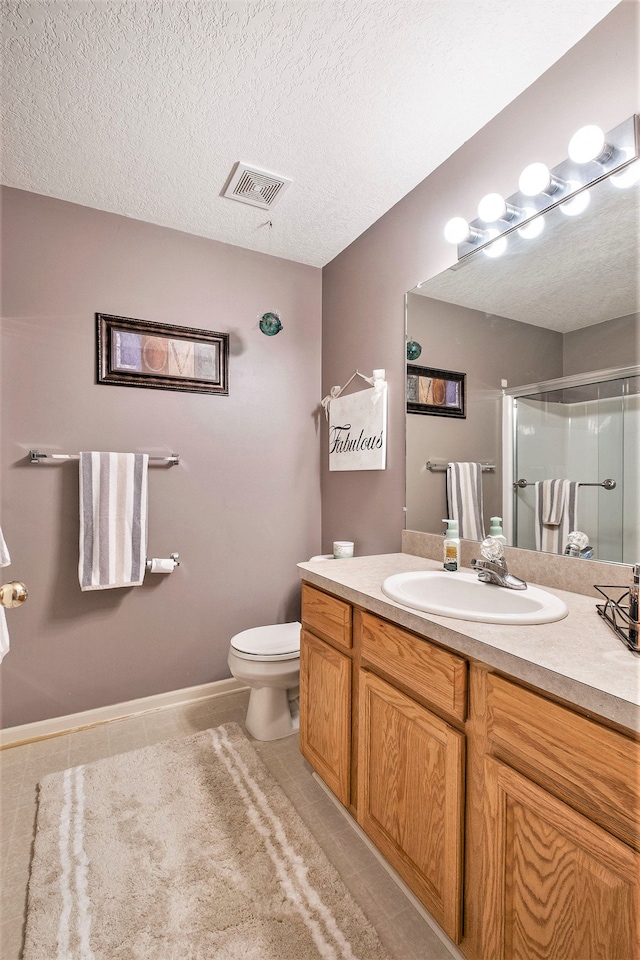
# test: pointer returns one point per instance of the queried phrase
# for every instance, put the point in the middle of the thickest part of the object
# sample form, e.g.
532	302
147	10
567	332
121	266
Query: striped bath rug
187	850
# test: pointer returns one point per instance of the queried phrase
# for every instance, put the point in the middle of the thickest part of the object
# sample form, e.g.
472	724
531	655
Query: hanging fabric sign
358	429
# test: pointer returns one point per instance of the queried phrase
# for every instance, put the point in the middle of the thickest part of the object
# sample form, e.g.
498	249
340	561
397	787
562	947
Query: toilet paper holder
174	556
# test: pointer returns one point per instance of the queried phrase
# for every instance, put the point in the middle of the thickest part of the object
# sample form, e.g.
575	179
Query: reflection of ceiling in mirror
578	272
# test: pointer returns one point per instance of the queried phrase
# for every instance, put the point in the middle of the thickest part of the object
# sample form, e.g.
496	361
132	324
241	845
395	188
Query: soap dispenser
495	530
451	545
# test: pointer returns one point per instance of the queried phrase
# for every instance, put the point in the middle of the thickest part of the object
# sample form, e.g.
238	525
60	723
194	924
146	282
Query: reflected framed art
440	393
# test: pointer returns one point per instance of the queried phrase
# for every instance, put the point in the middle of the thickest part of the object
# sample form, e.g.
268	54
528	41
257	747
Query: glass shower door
588	433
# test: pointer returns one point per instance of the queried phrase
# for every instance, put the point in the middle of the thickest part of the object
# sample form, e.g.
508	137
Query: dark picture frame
163	356
438	393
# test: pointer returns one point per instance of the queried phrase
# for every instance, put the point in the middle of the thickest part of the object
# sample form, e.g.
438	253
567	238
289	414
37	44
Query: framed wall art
440	393
140	353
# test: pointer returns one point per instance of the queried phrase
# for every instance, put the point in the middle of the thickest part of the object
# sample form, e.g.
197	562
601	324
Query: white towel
5	560
464	499
556	509
113	519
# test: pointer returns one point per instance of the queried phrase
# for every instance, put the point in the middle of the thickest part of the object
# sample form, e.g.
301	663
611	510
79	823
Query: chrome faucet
493	569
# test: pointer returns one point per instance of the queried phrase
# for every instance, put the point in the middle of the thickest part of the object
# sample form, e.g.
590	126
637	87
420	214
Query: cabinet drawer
326	616
433	674
593	768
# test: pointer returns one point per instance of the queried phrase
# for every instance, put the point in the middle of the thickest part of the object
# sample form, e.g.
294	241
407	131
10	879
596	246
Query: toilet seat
280	641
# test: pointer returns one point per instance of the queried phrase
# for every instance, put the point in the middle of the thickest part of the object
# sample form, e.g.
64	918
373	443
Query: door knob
13	594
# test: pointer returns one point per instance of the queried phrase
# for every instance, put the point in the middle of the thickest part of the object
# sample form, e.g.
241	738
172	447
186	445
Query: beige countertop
578	658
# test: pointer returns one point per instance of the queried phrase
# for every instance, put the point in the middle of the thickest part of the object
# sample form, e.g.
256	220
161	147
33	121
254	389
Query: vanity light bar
593	156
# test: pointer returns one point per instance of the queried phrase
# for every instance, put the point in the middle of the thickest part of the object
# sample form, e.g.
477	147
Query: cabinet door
325	713
556	884
410	795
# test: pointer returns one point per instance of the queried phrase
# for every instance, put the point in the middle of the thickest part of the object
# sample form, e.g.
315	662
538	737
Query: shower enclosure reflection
584	432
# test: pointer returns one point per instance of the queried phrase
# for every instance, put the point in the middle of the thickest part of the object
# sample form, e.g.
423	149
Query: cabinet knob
12	594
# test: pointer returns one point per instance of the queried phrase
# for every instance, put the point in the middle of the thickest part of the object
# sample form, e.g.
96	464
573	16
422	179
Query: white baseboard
56	726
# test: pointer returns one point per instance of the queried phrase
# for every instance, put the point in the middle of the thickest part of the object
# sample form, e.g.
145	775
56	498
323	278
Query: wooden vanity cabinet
407	788
511	816
325	689
555	834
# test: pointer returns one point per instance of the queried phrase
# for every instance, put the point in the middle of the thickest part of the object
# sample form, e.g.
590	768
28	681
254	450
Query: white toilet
267	659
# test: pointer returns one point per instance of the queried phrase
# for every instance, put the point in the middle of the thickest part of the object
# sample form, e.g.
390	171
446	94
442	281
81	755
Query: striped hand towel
556	509
464	499
113	519
5	560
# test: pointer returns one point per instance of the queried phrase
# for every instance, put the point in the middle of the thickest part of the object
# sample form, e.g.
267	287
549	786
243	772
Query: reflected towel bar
442	465
607	484
35	457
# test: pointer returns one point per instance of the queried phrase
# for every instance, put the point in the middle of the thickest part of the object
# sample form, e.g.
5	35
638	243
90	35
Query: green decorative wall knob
414	349
270	324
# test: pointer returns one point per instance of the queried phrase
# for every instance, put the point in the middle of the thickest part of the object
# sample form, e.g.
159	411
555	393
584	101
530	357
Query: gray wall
616	343
242	508
488	349
364	287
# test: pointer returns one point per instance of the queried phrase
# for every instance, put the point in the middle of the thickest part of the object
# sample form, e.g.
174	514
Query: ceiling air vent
256	187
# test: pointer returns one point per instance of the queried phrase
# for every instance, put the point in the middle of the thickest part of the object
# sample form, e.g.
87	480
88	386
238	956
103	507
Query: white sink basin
462	596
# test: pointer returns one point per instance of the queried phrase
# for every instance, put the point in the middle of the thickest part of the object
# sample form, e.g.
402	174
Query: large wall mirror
553	325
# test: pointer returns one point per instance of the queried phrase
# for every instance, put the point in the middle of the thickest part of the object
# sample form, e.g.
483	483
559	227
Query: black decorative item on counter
620	611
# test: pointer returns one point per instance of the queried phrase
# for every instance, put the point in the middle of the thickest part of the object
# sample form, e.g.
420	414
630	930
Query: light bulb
627	177
492	207
575	205
531	230
537	178
498	247
589	143
457	230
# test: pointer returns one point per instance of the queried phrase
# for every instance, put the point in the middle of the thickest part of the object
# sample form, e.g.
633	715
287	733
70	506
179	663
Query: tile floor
403	931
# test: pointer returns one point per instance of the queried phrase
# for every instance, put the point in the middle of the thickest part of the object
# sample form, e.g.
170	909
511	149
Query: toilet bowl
267	659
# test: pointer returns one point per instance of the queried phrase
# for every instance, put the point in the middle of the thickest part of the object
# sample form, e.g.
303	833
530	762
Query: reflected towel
556	508
113	519
5	560
464	499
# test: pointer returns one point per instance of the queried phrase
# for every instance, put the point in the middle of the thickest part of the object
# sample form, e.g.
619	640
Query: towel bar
442	465
607	484
35	457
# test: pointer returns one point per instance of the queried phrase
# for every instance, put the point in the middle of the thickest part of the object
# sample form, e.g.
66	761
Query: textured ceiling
142	108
